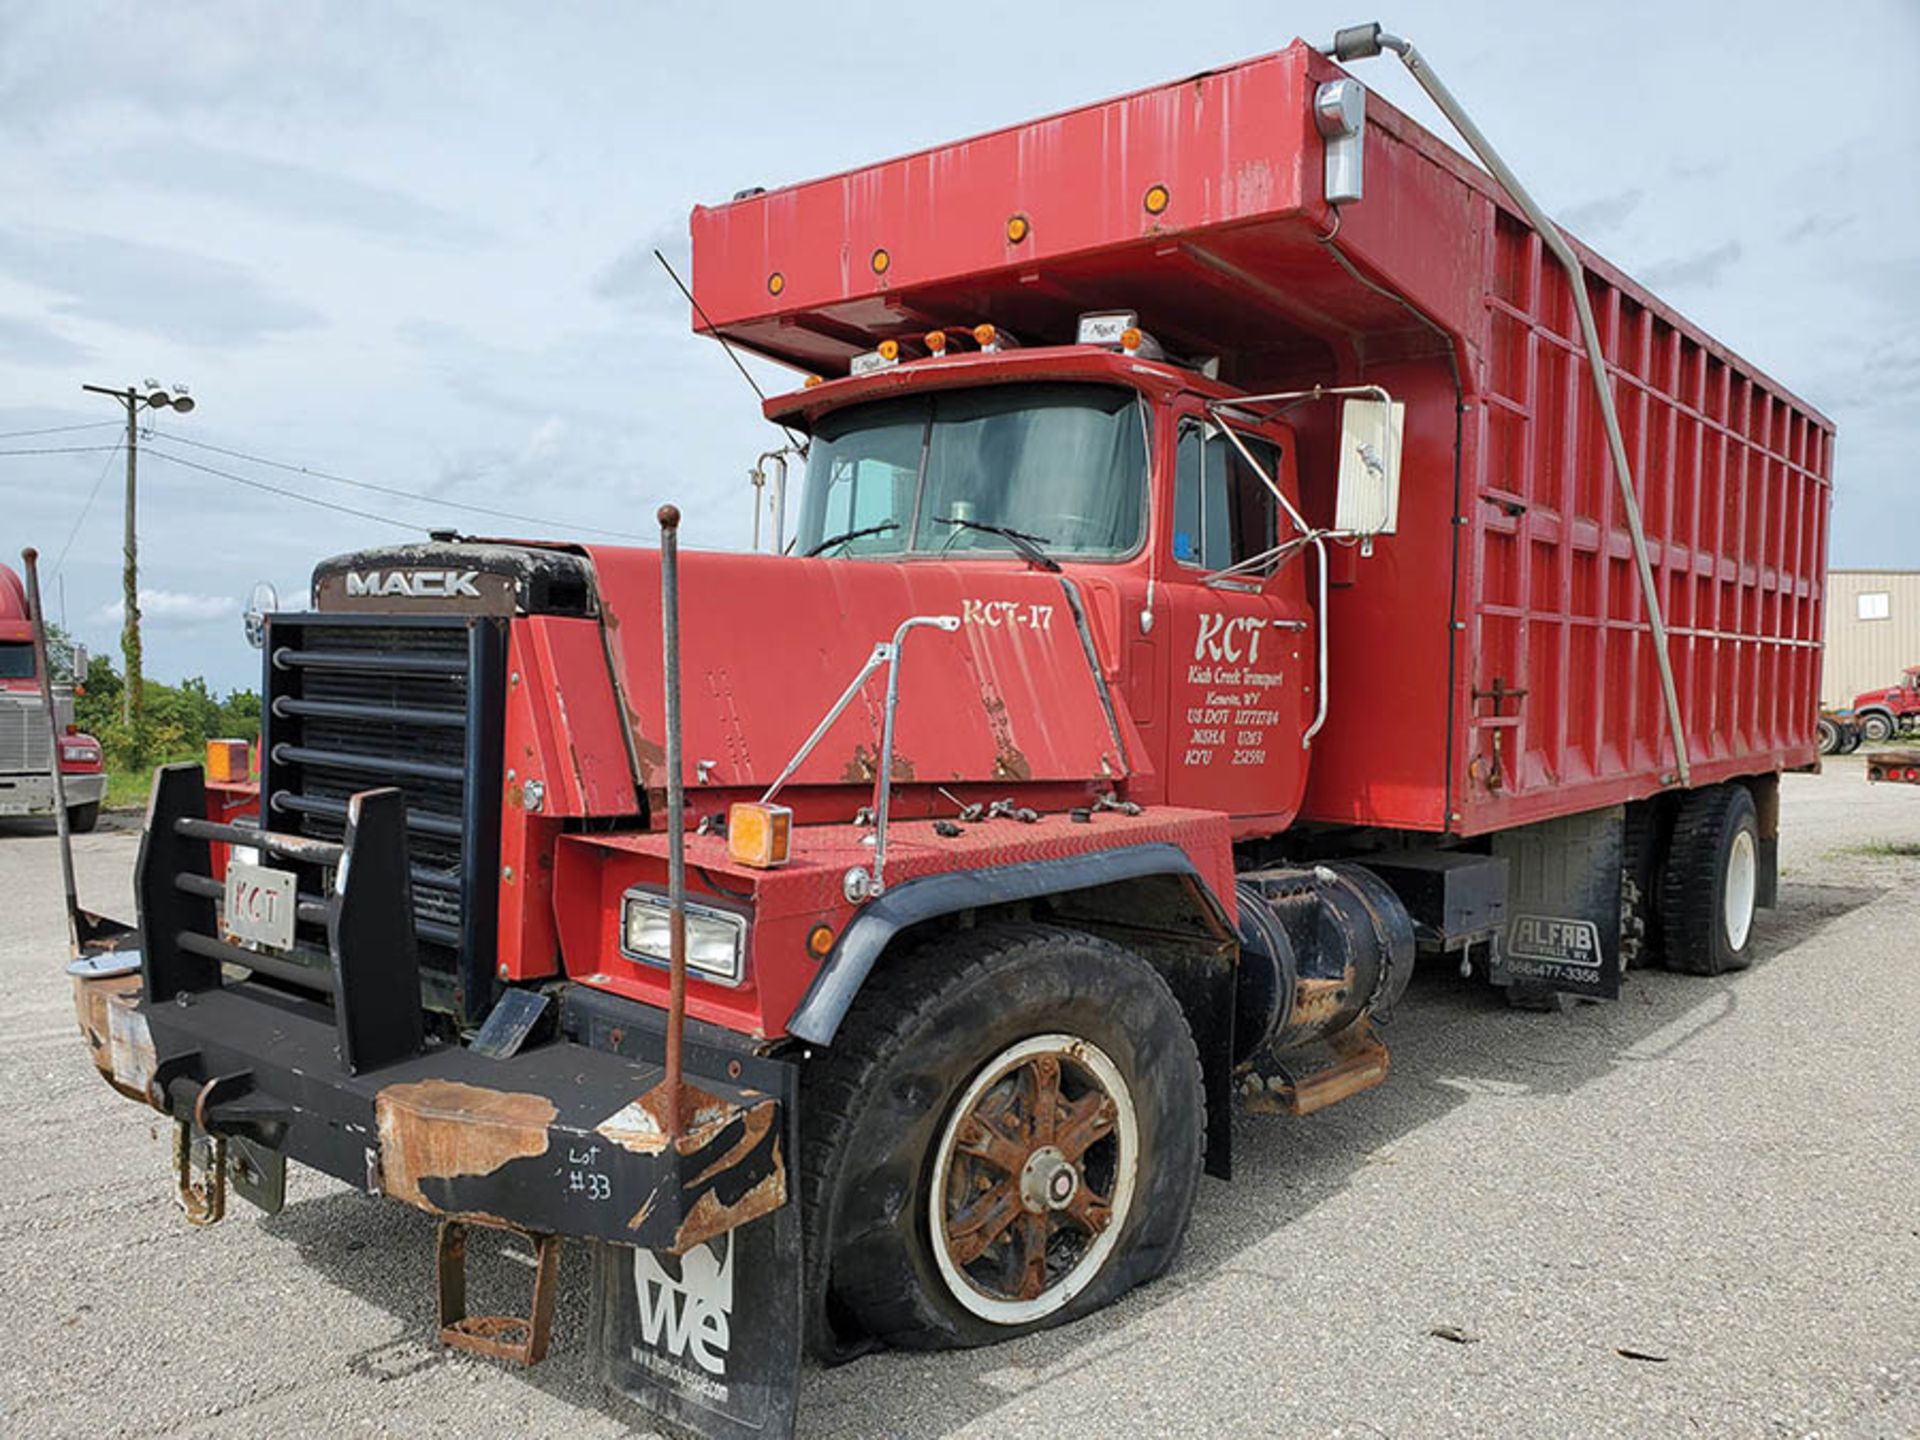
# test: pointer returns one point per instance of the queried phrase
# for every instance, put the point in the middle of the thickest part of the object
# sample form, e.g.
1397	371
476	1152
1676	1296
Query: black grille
358	703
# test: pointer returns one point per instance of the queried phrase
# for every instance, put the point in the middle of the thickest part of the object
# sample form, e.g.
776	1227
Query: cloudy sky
408	244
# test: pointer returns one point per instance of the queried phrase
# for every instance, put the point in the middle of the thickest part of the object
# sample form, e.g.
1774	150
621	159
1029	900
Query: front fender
862	943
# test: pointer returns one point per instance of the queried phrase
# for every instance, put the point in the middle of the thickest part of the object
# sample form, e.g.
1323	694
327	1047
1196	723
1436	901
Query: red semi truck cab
28	741
1883	714
1210	589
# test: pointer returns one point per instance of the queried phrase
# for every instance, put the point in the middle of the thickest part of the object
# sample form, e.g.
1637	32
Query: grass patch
1884	849
129	789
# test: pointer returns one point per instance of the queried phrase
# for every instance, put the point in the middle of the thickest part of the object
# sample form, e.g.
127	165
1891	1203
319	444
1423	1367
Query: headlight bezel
715	921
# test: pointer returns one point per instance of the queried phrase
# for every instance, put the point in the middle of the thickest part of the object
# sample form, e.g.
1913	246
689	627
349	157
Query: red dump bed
1492	662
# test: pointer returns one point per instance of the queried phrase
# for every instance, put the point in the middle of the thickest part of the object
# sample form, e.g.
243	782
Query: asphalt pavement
1693	1211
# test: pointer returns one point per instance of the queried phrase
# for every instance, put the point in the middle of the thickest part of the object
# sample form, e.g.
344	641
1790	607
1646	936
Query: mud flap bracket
521	1340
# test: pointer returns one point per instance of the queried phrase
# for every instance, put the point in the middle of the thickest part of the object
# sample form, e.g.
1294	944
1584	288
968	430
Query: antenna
725	344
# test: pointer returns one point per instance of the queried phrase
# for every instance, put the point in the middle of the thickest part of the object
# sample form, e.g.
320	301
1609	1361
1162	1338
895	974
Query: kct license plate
260	904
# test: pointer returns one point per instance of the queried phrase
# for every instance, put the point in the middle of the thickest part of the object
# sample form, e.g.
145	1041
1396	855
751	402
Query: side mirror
1368	500
264	601
80	662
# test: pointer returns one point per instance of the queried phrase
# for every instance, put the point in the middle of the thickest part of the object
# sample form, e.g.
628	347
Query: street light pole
133	693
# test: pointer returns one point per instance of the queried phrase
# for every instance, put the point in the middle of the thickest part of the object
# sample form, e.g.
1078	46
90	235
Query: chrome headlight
716	939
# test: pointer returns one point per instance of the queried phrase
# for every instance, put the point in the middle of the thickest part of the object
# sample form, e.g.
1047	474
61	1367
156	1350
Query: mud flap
1563	905
708	1340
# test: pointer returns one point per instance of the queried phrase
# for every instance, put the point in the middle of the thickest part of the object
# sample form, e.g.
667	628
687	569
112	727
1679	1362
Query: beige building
1873	631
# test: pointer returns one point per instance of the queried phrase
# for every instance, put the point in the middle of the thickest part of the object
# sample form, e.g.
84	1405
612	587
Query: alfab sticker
1555	941
687	1316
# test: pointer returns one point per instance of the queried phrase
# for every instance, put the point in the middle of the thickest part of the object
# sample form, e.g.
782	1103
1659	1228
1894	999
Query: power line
81	518
57	429
289	494
559	527
63	450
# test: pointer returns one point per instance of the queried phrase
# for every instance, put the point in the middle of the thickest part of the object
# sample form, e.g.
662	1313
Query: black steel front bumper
563	1138
317	1052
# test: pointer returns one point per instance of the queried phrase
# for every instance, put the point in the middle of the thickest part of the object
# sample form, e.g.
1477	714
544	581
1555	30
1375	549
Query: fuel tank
1321	947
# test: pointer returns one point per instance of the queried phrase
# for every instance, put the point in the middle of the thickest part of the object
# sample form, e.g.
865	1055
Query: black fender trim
861	944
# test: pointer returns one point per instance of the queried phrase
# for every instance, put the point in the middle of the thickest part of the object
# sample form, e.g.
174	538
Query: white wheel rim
1125	1136
1743	884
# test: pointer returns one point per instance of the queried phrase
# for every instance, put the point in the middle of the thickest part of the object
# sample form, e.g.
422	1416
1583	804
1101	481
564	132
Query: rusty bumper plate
561	1138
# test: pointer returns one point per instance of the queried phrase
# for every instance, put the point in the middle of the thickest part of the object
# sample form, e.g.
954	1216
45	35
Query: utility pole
132	694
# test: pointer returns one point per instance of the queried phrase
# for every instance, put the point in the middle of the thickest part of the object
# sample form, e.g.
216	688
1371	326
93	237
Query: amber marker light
820	941
881	260
776	282
1018	228
983	335
889	350
1130	338
227	761
936	342
758	834
1157	199
811	381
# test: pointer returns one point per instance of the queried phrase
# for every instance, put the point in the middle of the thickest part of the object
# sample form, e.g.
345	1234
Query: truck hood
769	643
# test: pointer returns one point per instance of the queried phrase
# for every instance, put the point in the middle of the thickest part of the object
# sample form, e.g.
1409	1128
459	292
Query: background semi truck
29	744
1885	714
1216	582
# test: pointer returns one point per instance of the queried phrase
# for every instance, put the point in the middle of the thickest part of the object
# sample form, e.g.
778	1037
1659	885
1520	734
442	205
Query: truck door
1239	651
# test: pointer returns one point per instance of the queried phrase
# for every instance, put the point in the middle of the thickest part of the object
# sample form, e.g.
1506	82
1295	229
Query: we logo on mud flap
688	1316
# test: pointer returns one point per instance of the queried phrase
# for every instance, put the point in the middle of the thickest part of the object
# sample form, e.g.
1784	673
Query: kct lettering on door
1232	638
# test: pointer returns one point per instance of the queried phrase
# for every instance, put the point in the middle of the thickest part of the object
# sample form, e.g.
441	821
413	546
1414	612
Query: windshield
16	660
1063	464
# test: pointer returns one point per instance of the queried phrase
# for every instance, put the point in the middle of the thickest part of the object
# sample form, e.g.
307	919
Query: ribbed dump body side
1493	661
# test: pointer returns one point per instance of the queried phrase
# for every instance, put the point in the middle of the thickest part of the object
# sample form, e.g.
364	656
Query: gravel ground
1693	1211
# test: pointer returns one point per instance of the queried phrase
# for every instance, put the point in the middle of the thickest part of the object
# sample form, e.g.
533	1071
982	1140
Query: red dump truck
1217	584
28	739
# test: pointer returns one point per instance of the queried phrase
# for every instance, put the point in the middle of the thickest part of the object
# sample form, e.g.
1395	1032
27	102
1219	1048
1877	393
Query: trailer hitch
202	1200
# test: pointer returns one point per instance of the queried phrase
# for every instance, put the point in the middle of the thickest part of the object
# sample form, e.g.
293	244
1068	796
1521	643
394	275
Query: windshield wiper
1027	545
846	535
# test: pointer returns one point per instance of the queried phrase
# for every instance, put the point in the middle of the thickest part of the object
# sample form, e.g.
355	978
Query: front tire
1005	1135
1712	882
1877	727
82	818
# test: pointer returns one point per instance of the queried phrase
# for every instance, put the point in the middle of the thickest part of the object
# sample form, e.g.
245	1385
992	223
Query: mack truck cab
1170	501
1213	584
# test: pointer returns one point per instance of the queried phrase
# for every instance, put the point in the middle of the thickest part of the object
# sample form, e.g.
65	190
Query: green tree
179	720
59	653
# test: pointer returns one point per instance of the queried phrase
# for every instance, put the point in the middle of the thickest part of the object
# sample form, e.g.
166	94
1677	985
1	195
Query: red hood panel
768	644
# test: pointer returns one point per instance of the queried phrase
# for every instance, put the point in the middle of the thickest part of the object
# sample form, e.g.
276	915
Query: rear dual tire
1710	887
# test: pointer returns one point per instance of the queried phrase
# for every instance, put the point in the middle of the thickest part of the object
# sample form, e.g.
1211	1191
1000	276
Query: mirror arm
1218	408
1233	438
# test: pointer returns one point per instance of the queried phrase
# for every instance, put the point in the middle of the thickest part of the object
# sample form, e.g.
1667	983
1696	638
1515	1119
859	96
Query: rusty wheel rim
1033	1179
